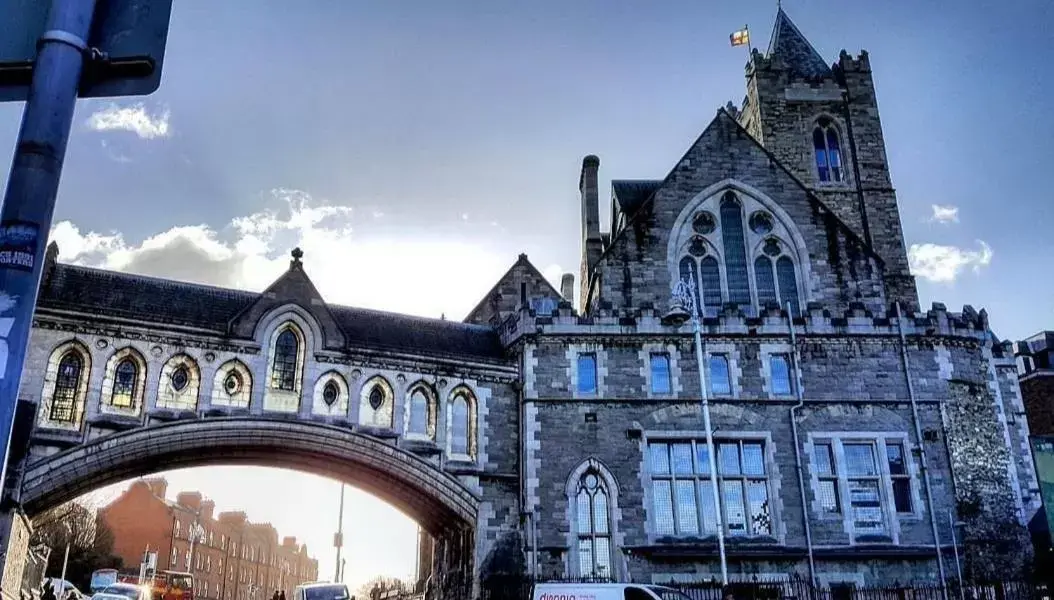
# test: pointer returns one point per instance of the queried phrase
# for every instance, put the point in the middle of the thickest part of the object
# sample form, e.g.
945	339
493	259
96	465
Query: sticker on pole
18	244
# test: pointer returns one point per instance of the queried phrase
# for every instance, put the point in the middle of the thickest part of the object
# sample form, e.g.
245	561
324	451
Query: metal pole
797	450
29	200
65	561
696	318
339	539
922	452
955	547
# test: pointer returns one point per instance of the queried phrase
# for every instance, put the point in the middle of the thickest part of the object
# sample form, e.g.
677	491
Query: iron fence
793	588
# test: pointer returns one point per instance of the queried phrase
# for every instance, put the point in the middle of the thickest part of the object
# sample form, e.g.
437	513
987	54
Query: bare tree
383	584
90	541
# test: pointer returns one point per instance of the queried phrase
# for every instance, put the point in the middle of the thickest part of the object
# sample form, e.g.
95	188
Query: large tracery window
286	352
67	385
594	527
828	151
736	259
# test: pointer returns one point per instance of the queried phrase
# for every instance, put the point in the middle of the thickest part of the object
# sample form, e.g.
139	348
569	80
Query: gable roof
164	302
790	46
521	261
723	113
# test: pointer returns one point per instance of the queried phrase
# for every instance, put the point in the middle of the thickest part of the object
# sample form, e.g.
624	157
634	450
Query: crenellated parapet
731	320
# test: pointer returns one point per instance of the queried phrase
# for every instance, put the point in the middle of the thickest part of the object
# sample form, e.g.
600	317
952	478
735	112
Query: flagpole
750	43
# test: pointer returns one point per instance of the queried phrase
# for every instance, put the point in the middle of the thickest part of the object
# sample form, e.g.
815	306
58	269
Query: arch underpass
436	500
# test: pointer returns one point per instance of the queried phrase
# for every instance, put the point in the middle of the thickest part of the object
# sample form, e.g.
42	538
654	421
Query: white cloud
134	118
944	263
399	272
944	213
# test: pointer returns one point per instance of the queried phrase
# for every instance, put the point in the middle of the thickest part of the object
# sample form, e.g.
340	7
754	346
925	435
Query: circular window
761	222
376	397
330	393
232	384
180	379
697	247
772	247
704	222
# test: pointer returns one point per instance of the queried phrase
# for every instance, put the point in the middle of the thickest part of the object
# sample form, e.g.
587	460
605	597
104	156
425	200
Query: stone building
565	438
231	558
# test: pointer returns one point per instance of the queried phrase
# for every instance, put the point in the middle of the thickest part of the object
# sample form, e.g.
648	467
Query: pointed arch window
420	414
462	425
286	353
765	281
827	148
125	380
594	527
788	282
67	387
732	234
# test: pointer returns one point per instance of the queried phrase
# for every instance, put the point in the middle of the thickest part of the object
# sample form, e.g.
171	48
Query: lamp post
66	557
955	546
684	307
338	538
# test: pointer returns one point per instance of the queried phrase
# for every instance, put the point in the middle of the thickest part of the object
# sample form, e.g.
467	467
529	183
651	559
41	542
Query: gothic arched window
594	527
125	378
828	151
462	431
422	413
67	388
286	355
788	283
736	272
765	281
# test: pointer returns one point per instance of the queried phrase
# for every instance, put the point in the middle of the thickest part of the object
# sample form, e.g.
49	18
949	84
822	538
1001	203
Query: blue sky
422	145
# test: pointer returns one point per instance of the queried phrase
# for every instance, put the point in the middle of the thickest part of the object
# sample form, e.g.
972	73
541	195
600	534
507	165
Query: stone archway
440	504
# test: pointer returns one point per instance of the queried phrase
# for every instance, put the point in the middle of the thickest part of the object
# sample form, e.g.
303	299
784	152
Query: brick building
233	559
1035	362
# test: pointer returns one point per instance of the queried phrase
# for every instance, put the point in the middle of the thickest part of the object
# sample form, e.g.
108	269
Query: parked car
123	591
64	590
605	591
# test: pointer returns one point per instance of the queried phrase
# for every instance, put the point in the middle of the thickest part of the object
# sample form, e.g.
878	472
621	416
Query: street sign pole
29	201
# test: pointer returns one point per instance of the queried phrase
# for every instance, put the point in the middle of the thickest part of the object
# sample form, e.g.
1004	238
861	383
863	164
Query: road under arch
435	499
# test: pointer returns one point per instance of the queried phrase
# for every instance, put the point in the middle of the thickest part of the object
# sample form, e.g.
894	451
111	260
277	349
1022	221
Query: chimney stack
592	243
567	287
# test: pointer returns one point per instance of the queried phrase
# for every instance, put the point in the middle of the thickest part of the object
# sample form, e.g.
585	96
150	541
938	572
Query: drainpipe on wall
922	451
797	451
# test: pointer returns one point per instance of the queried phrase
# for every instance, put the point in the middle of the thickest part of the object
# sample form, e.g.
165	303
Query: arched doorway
440	504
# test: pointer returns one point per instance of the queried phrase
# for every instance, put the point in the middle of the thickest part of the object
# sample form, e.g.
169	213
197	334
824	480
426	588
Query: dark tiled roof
378	329
630	194
124	295
163	301
794	50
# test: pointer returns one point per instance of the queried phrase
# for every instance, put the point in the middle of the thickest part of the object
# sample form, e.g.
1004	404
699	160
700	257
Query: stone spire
795	52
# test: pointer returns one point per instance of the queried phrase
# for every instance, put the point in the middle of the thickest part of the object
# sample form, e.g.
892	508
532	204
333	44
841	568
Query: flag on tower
740	38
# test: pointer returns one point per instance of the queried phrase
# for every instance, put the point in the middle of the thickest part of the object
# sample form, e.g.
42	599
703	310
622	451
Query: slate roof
788	43
167	302
630	194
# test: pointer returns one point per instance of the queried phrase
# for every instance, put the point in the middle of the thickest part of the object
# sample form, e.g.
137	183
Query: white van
605	591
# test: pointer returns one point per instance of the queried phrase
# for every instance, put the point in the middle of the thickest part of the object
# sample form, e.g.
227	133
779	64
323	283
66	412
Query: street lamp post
684	307
66	557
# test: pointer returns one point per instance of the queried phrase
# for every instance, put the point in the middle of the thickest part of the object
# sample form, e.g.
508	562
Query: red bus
166	585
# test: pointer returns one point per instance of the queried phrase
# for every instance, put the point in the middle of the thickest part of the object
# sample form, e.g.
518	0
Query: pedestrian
281	595
275	596
48	592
